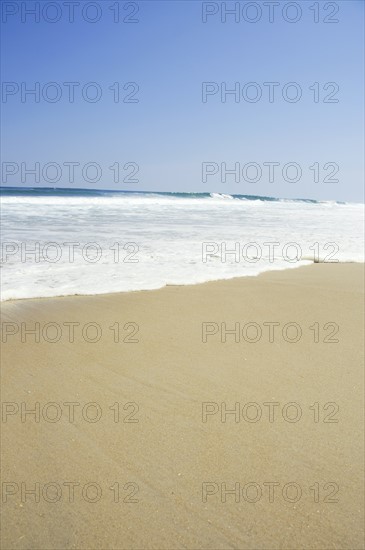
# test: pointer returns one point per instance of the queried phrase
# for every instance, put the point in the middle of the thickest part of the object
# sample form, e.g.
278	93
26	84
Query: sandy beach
216	416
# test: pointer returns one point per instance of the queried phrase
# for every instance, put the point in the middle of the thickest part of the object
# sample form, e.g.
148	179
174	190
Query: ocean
59	242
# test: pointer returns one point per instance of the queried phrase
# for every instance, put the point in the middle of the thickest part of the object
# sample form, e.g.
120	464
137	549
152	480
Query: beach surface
137	442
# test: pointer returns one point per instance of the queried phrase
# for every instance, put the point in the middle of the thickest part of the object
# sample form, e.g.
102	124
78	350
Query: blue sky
169	133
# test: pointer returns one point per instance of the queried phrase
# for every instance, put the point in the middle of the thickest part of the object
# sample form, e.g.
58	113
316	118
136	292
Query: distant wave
79	192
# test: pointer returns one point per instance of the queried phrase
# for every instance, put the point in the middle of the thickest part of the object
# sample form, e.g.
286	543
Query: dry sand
169	454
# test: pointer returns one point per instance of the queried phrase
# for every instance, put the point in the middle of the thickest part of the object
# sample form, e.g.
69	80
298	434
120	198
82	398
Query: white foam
169	232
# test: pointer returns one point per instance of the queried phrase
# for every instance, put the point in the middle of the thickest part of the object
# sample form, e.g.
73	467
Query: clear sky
169	51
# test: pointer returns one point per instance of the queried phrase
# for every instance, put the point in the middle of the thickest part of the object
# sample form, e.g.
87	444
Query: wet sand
133	435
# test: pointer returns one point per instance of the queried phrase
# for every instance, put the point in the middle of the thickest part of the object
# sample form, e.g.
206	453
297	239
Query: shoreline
166	370
121	292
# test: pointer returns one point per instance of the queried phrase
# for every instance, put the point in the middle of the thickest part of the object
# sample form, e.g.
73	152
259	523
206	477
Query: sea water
63	242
